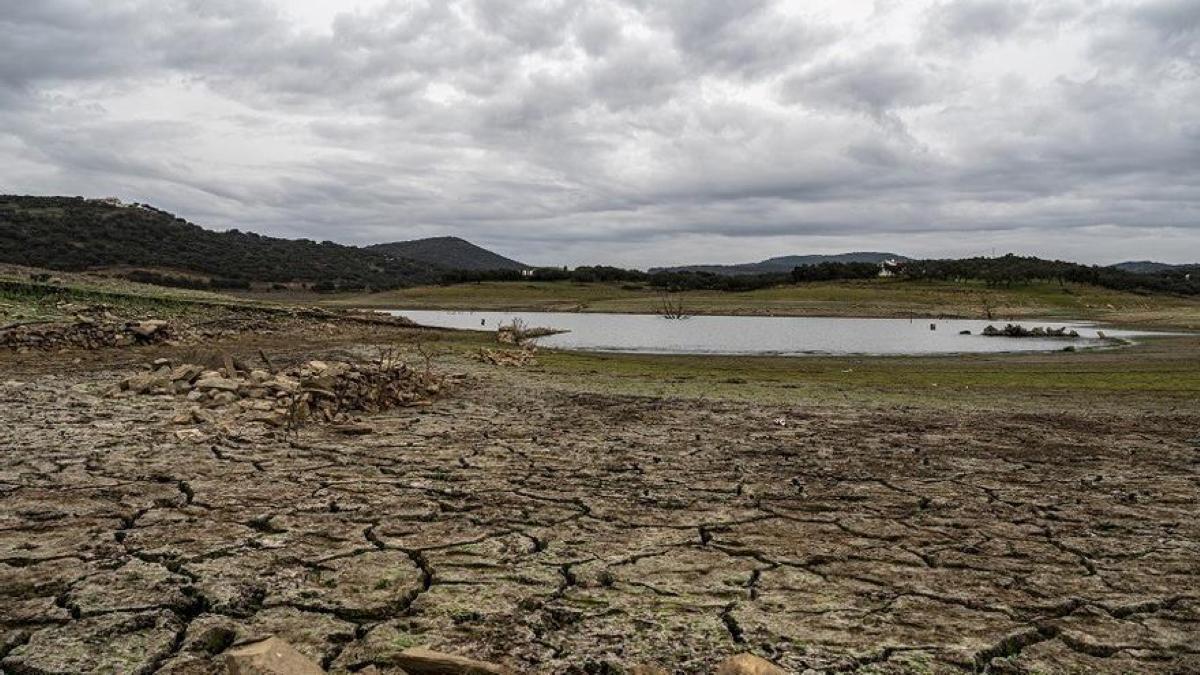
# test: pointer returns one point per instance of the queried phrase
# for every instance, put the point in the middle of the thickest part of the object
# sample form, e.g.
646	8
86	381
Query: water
783	336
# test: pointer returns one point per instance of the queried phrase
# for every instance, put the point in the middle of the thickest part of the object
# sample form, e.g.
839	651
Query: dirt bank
560	531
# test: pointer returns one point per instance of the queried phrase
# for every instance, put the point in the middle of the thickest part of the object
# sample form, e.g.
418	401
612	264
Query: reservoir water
783	336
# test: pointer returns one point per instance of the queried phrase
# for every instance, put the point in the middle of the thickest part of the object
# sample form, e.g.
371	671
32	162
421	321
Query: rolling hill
1152	267
784	263
449	253
148	244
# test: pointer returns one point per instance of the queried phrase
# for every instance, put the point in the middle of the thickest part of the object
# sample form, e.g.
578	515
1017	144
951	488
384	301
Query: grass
24	300
1161	372
871	297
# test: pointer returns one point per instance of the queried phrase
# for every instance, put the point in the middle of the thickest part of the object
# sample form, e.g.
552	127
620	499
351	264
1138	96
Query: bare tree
671	306
989	304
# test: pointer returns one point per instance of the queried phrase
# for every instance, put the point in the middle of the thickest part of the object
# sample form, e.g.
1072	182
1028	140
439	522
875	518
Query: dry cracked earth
566	532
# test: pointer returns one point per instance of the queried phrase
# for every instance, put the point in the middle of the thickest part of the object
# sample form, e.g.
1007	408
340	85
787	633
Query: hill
784	263
1151	267
450	253
142	243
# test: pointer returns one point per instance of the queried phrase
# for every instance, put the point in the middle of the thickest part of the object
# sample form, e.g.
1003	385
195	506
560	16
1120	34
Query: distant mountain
449	253
147	244
1150	267
784	263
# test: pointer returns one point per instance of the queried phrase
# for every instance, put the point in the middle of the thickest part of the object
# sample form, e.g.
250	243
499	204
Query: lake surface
783	336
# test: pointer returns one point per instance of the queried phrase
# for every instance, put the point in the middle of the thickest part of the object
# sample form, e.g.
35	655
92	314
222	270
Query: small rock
147	329
187	372
203	416
269	657
424	661
271	418
190	435
221	383
748	664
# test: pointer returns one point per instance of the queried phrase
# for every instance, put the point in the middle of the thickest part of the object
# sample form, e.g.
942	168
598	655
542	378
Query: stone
425	661
187	373
748	664
143	383
269	418
203	416
269	657
147	329
284	383
220	383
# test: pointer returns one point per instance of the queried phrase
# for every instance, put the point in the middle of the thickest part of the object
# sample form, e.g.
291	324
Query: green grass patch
1165	369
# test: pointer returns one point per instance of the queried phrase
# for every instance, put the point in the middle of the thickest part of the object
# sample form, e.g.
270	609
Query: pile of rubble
313	392
508	357
93	326
1017	330
85	332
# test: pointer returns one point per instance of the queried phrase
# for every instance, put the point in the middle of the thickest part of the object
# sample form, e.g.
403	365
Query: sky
625	132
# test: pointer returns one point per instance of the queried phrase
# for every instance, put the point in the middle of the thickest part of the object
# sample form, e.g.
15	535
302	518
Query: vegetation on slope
862	297
785	264
75	234
451	253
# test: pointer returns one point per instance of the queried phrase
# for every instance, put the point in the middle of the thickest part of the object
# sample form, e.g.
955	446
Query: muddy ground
561	531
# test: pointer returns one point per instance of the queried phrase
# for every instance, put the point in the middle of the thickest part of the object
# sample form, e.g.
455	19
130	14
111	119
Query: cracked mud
560	532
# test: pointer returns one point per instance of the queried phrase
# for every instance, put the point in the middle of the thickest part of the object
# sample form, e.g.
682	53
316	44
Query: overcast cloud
631	132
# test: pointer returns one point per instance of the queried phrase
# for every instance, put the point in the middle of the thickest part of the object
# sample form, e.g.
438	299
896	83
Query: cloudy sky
632	132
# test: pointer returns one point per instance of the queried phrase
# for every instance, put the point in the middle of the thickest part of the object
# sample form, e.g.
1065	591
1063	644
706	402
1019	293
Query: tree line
74	234
1006	271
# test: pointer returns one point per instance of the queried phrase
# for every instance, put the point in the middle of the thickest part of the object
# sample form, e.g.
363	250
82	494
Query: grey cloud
1160	38
875	81
964	24
554	128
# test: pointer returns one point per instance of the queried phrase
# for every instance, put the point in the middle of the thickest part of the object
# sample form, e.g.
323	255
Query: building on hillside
889	268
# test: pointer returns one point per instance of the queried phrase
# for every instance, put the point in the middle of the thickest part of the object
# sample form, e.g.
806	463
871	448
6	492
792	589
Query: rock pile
1019	331
313	392
85	332
508	357
93	326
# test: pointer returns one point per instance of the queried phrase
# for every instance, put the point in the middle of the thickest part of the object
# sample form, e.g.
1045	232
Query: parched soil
566	532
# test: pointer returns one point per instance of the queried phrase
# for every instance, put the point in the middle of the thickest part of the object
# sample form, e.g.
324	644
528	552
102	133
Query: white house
889	268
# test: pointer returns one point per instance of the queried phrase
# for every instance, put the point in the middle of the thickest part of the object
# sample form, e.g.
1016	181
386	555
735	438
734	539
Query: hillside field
866	298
